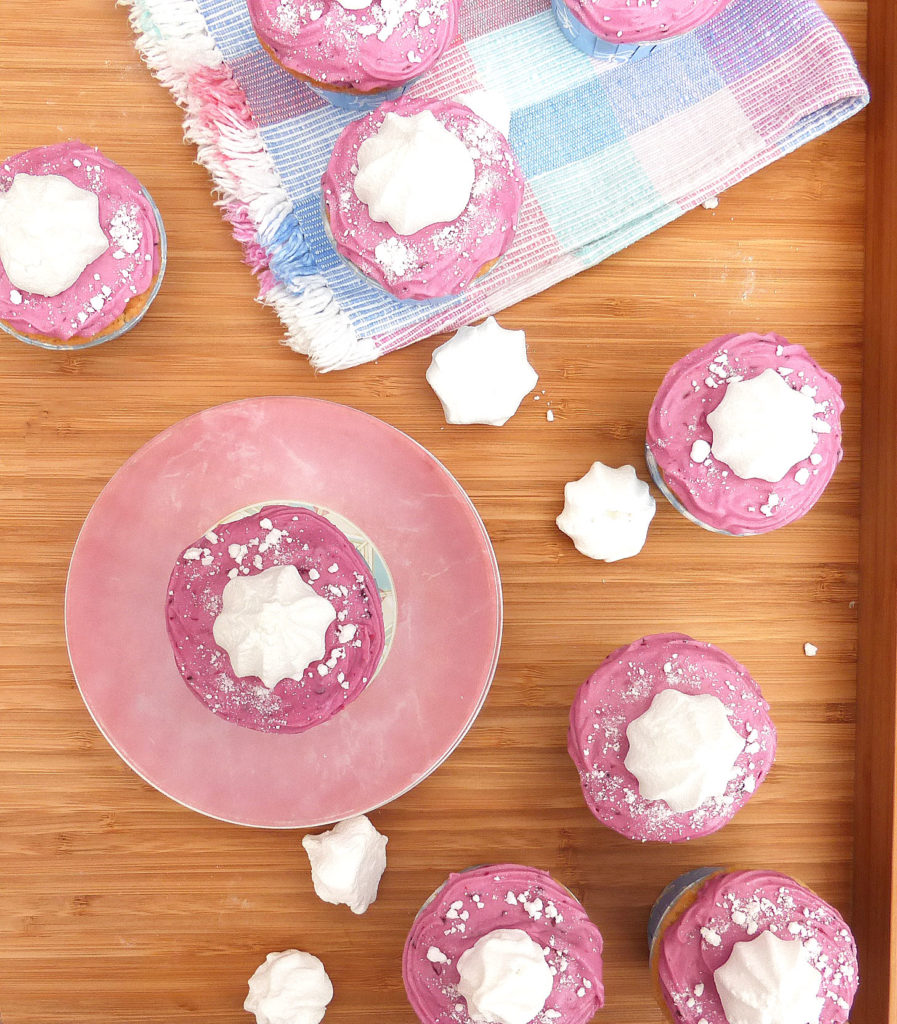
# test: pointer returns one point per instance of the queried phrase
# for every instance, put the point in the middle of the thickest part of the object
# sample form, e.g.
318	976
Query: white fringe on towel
173	39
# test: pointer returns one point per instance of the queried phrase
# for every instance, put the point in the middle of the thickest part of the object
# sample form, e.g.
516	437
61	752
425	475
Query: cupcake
355	53
618	31
745	434
503	943
275	620
750	947
422	197
671	737
82	247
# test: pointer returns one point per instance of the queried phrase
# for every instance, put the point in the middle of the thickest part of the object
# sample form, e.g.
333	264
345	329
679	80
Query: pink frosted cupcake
618	31
355	53
275	620
422	197
82	247
671	737
750	947
745	433
507	943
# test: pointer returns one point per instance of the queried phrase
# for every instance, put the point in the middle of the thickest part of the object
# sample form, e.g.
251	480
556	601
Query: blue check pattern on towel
609	154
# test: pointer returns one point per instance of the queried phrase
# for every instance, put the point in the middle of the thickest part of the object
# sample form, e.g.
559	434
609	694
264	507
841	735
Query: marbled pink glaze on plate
328	562
710	491
484	895
637	21
761	900
105	287
358	49
428	691
445	257
621	689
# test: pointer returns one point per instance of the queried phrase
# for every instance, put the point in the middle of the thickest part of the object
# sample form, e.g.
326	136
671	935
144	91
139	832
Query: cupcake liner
670	896
658	478
363	102
584	39
141	303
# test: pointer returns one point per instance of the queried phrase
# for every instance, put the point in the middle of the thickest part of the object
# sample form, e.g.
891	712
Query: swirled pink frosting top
105	287
737	907
474	903
329	563
443	258
638	21
620	690
363	45
708	489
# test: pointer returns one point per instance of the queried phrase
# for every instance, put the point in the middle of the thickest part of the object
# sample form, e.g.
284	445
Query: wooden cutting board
118	905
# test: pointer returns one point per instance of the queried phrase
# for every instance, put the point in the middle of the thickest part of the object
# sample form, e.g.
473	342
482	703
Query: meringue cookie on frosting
49	232
762	427
481	375
504	977
769	980
683	749
491	106
413	173
272	624
291	987
347	863
607	512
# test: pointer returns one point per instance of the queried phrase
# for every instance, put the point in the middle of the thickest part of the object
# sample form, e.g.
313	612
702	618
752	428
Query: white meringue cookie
49	232
762	427
272	624
347	863
481	375
491	106
683	749
607	512
413	173
768	980
291	987
504	977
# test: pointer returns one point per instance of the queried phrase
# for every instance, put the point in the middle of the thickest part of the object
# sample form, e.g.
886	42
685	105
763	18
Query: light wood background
117	905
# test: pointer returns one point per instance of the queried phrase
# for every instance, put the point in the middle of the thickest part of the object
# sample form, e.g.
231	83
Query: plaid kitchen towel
609	154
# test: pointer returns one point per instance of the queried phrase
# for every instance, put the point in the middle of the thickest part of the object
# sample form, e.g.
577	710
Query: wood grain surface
118	905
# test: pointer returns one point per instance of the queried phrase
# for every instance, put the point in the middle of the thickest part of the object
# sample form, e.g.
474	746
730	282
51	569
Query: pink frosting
330	45
444	258
710	491
311	543
620	690
760	901
125	269
637	21
475	902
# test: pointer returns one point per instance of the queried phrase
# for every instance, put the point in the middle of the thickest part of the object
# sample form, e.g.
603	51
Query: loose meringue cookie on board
481	375
291	987
607	512
347	863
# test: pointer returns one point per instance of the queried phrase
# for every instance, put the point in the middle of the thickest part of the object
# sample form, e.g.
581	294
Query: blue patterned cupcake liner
584	39
670	895
362	102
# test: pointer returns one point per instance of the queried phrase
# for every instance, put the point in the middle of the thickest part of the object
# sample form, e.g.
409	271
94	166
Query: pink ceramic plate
428	691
